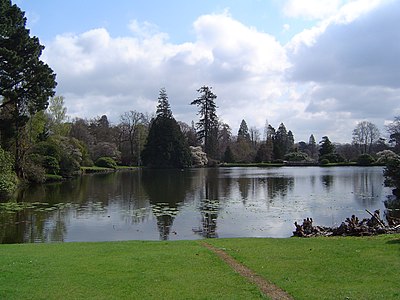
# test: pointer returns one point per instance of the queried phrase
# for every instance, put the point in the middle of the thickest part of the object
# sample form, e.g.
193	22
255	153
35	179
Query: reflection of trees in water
164	224
81	197
166	190
210	203
327	181
33	224
367	186
28	226
278	186
209	213
244	187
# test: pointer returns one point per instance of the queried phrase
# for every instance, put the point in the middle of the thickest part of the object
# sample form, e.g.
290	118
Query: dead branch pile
350	227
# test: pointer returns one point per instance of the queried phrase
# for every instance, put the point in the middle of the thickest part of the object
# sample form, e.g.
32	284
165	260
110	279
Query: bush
383	157
365	160
51	165
8	178
332	158
106	162
324	162
392	173
34	172
296	156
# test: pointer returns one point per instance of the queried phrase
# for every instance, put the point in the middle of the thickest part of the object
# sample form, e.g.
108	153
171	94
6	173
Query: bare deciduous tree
365	135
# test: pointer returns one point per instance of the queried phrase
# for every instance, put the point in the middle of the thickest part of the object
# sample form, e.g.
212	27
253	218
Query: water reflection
190	204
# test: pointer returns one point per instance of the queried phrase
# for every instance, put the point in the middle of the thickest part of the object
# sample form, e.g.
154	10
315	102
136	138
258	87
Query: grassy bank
324	268
318	268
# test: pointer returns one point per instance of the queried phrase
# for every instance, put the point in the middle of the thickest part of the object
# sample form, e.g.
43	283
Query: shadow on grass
395	241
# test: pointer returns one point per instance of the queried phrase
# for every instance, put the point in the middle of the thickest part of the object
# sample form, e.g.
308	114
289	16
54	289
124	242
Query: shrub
105	149
383	157
8	178
106	162
324	161
34	172
392	173
332	158
365	160
51	165
296	156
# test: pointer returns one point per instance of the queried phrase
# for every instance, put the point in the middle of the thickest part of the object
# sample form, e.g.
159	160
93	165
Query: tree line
39	142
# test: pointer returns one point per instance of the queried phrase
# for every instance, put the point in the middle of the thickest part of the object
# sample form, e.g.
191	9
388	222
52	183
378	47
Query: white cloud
99	74
348	66
311	9
322	82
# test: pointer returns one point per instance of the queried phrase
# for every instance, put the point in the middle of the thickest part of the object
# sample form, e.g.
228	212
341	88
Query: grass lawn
324	268
315	268
118	270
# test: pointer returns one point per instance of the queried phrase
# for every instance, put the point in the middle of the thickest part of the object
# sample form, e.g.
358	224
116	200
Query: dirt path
266	287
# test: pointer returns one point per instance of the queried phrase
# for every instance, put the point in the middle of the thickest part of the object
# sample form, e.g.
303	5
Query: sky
318	66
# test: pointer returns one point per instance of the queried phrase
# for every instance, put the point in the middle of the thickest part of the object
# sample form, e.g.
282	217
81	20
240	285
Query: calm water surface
190	204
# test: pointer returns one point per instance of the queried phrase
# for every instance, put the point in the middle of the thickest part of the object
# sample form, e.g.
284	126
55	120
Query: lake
190	204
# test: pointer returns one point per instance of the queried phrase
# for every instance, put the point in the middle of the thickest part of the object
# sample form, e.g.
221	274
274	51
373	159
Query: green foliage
324	162
296	156
243	133
392	173
365	160
207	126
166	146
26	82
326	148
105	149
57	113
106	162
228	155
33	171
57	155
265	151
50	163
163	107
8	178
332	158
71	156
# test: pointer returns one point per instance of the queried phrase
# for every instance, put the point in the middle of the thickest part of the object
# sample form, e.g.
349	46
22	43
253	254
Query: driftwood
350	227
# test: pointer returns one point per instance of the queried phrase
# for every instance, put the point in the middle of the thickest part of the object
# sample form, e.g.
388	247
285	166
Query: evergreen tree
290	141
207	127
224	138
312	147
163	107
326	147
26	83
166	145
228	155
243	133
280	142
264	152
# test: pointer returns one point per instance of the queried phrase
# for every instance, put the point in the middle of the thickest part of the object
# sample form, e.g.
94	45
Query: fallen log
350	227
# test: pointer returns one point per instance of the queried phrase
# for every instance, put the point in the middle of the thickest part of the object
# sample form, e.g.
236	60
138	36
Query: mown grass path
316	268
267	288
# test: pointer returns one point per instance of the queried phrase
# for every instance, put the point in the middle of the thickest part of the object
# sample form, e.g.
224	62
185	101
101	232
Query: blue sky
318	66
48	18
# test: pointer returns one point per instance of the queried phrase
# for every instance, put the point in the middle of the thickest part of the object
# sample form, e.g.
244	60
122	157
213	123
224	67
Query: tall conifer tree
207	126
166	145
